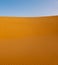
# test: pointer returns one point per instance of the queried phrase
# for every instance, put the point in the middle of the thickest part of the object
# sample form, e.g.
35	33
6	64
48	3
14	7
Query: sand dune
32	40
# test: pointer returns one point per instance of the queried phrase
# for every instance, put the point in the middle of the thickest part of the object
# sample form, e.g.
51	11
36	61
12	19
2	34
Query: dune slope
29	40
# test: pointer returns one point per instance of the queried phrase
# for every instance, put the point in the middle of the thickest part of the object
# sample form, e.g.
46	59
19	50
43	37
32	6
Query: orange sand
29	41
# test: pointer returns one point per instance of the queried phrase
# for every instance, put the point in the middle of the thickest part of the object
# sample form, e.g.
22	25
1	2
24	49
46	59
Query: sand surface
29	41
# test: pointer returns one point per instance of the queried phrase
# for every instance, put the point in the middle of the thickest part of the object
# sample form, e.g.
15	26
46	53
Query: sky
28	7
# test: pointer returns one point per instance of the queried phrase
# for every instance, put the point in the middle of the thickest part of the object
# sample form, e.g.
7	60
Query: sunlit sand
30	40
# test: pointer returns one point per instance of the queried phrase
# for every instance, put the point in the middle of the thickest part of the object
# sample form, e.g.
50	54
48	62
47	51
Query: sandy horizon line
30	16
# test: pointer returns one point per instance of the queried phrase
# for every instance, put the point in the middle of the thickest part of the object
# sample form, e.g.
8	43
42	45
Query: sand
29	40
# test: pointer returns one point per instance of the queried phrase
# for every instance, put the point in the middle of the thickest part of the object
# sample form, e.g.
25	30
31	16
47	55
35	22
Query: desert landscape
29	40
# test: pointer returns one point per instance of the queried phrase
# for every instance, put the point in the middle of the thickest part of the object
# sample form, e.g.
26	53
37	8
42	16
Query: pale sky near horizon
28	7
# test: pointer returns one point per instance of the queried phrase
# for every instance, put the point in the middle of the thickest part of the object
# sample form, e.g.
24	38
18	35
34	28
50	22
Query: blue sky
28	7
